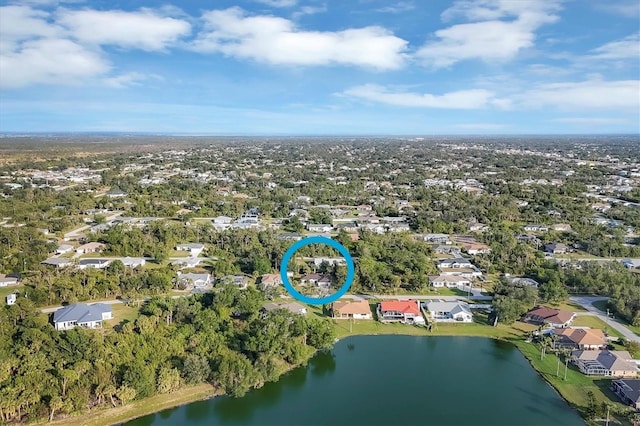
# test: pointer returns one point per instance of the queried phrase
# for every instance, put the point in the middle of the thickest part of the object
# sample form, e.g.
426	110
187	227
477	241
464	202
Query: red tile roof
404	306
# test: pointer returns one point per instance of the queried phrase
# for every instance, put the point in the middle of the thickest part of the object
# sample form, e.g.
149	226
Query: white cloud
590	94
626	48
128	79
309	10
591	121
19	23
461	99
143	29
277	41
49	60
497	31
279	3
626	8
402	6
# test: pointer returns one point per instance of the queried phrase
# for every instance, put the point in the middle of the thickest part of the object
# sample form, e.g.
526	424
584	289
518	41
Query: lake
393	380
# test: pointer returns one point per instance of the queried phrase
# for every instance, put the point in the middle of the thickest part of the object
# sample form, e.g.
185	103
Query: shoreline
202	392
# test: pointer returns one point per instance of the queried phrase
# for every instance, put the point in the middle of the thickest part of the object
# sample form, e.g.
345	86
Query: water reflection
323	364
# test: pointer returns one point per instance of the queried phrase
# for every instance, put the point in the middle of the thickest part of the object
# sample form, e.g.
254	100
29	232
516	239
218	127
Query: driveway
587	303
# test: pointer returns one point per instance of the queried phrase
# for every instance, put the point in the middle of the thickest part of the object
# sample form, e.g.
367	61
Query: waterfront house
554	317
579	338
628	390
605	363
81	315
449	311
355	309
404	311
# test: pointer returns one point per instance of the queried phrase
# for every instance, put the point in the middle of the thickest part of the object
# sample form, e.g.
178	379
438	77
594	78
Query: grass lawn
595	322
447	292
5	291
577	386
602	305
568	306
122	312
140	408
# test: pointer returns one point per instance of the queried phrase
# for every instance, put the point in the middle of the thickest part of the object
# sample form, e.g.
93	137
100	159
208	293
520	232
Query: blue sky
271	67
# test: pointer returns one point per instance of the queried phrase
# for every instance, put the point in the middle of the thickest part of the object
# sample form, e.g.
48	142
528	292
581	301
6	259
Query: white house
57	262
81	315
631	263
449	281
221	223
194	249
133	262
90	248
93	263
64	248
317	261
436	238
449	311
458	262
11	299
7	280
319	227
196	280
320	280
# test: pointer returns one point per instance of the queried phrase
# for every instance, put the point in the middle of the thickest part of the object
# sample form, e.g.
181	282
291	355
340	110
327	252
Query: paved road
587	303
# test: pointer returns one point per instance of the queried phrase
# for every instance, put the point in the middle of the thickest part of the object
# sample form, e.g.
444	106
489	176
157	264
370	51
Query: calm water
393	380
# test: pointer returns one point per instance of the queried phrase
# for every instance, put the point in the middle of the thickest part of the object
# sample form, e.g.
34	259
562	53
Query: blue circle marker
317	300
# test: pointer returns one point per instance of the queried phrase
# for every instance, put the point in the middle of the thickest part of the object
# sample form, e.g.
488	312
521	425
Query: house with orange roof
404	311
347	309
579	338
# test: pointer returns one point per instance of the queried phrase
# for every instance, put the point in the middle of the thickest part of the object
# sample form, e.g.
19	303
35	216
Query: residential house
93	263
449	311
556	248
582	338
290	236
631	263
57	262
92	247
64	249
319	227
536	228
81	315
194	249
7	280
527	238
317	261
477	248
436	238
522	281
293	307
561	227
447	249
249	220
404	311
477	227
628	390
194	280
320	280
11	299
133	262
554	317
116	194
222	223
187	262
605	363
270	281
455	263
449	281
351	309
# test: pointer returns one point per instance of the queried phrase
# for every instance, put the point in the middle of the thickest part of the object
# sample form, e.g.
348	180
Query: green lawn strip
577	386
602	305
139	408
595	322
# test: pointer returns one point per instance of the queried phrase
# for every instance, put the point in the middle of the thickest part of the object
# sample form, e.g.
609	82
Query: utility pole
608	414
